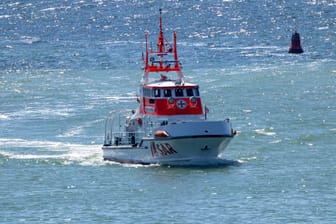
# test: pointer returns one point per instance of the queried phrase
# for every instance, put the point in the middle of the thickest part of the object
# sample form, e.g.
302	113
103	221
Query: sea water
65	64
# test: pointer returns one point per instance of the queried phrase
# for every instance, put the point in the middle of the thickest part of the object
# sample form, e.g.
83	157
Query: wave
39	112
52	9
4	117
29	39
5	16
119	98
264	131
246	159
251	48
77	130
68	153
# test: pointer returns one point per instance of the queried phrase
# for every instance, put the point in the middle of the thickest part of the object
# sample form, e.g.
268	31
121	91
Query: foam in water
264	131
29	40
82	154
4	117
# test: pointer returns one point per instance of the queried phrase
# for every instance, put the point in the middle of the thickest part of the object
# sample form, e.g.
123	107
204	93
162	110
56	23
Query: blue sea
65	64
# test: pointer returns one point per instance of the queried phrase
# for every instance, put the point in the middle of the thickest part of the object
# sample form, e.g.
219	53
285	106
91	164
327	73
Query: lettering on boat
161	149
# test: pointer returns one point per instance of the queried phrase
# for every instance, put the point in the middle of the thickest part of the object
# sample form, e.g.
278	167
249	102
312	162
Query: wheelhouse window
178	92
190	92
167	93
147	92
196	92
157	92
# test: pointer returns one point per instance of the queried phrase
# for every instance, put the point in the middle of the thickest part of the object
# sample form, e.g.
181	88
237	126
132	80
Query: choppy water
65	64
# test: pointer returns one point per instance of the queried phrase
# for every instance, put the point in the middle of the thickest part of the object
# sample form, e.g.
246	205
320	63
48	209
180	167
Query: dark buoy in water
295	47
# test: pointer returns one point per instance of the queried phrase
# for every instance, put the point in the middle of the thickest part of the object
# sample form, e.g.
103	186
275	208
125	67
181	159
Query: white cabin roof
169	84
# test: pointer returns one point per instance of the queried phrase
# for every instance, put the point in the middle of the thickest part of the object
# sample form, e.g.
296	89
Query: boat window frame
190	92
179	92
167	92
196	91
157	93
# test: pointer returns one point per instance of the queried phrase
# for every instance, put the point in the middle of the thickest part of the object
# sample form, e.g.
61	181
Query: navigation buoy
295	47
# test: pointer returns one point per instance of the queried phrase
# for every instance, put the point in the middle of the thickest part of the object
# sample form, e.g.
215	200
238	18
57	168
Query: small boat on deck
170	126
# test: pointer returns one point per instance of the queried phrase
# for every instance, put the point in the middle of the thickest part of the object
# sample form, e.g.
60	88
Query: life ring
181	104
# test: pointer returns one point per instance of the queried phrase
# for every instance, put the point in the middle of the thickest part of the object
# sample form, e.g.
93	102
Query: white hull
176	151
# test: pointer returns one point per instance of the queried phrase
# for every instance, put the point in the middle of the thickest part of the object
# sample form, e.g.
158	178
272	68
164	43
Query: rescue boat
170	125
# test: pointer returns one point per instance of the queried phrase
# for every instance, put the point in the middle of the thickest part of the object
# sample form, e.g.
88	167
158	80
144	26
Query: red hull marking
162	149
170	149
153	150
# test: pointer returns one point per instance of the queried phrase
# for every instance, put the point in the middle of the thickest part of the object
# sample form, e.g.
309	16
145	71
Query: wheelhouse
169	99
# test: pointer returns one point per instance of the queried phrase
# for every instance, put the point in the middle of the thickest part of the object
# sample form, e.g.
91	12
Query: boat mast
155	60
161	37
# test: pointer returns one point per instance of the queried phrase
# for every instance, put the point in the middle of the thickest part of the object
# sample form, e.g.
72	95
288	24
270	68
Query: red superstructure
167	94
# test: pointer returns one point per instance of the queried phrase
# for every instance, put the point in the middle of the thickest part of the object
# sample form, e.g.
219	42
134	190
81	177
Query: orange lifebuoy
160	133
